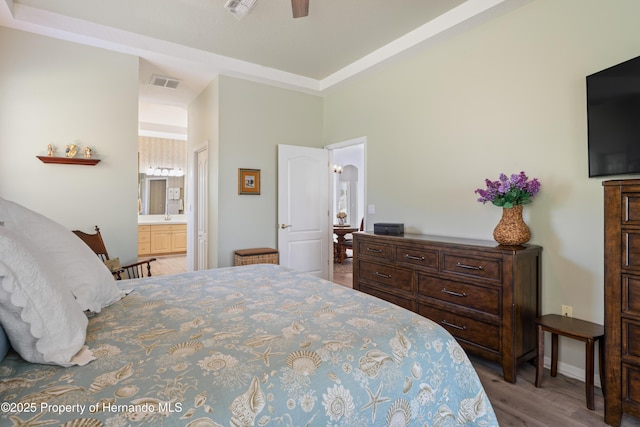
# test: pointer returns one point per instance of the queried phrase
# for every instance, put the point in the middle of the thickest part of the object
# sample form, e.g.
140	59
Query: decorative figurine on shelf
87	152
72	150
50	150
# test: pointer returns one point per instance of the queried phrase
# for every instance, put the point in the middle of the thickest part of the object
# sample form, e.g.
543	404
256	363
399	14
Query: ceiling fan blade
300	8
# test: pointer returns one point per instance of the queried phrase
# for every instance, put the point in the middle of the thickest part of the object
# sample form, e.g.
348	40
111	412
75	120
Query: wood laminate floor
343	274
560	402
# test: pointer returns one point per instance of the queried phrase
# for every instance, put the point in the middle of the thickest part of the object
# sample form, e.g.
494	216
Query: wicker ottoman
256	256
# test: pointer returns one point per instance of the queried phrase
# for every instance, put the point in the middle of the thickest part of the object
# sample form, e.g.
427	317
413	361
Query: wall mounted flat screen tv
613	116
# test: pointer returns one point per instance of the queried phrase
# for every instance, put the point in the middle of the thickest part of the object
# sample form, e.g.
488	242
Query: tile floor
169	264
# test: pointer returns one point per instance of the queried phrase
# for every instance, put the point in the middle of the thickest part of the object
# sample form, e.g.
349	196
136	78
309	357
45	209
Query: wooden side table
572	328
341	231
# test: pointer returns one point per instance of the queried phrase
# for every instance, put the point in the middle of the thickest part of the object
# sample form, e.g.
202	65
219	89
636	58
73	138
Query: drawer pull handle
417	258
456	294
470	267
384	276
378	251
462	328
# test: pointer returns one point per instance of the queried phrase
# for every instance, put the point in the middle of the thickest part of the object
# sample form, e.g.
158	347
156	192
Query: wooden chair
133	271
348	242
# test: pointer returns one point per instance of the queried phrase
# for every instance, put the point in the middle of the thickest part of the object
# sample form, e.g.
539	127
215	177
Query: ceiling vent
164	81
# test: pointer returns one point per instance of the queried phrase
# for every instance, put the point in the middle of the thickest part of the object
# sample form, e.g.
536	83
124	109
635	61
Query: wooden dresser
485	295
622	299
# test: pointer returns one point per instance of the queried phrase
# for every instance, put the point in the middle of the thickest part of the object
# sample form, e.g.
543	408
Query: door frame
192	205
362	140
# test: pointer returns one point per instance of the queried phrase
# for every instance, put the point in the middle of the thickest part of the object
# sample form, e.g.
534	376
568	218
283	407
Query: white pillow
41	318
82	271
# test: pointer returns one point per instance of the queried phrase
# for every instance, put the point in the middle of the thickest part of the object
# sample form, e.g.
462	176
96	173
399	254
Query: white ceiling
194	40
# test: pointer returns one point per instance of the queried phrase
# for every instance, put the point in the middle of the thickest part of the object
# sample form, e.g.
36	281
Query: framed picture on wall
248	181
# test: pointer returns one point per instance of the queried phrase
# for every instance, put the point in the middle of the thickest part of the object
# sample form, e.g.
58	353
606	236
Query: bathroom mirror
161	195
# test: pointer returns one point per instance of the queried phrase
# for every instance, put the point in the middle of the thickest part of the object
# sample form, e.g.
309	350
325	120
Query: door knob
283	226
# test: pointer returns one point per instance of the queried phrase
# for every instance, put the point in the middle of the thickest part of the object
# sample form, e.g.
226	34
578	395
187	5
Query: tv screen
613	116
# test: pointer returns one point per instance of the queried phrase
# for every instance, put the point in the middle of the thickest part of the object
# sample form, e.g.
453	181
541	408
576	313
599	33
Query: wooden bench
571	327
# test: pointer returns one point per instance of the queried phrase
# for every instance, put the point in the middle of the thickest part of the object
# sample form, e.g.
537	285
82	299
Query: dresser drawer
631	339
630	209
394	299
631	295
630	384
479	333
470	265
463	294
417	257
375	250
389	277
630	245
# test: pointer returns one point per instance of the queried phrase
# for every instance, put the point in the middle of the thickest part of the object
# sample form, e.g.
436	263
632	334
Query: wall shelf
68	161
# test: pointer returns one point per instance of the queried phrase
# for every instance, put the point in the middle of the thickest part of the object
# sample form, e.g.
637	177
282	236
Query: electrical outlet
567	310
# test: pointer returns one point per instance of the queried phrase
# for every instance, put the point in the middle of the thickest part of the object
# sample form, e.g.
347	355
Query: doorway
157	199
348	192
348	195
201	222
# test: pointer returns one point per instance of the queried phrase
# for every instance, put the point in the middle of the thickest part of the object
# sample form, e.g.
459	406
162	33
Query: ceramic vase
512	230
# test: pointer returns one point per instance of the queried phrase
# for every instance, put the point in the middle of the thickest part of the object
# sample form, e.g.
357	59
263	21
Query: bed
243	346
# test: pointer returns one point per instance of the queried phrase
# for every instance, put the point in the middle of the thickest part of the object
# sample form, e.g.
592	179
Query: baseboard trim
573	371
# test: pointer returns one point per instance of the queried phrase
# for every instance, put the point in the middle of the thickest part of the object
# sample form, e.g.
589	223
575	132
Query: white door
202	212
303	209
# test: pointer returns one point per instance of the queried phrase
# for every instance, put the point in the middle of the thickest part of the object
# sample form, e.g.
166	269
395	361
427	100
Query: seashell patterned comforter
258	345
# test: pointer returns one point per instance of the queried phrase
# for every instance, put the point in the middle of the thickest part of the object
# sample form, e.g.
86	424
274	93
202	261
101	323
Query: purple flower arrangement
508	192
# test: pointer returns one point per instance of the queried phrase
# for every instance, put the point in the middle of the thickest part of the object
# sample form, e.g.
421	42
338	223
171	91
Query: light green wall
55	92
504	97
204	132
254	119
243	123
